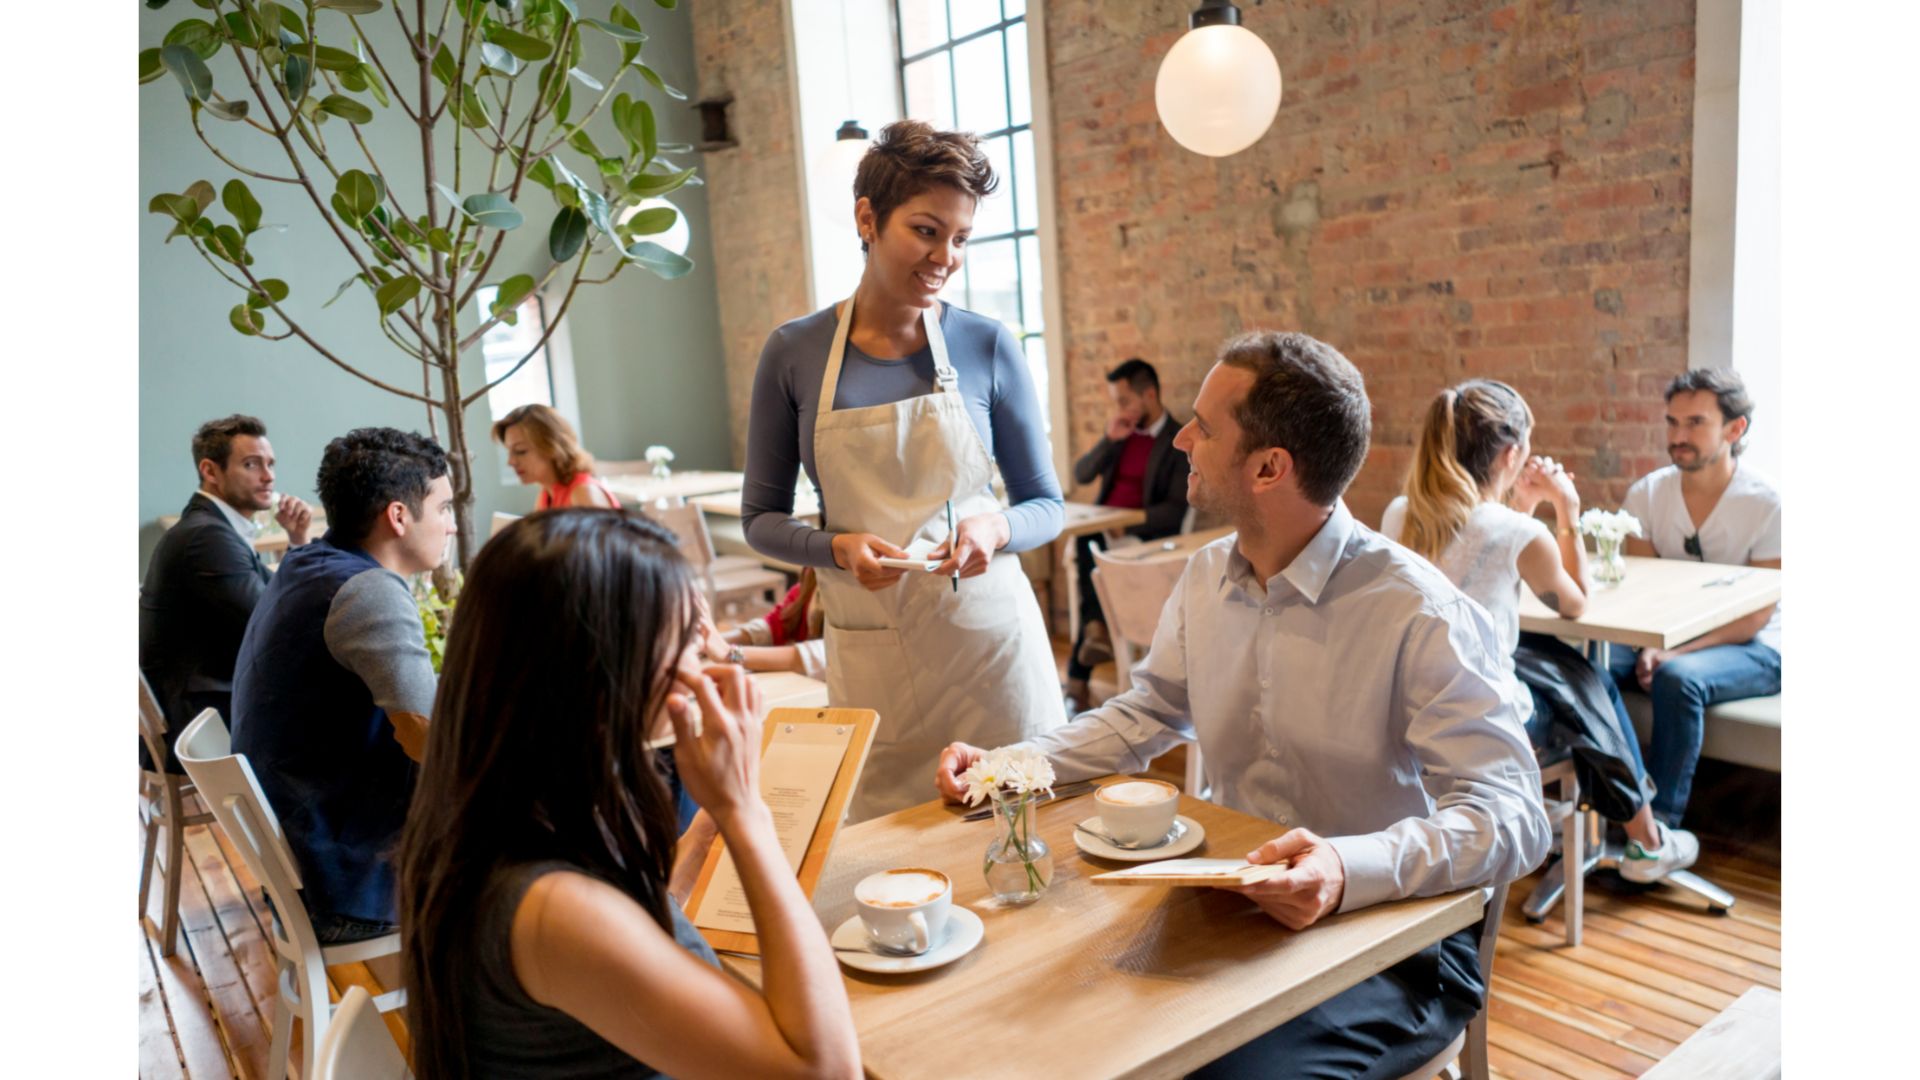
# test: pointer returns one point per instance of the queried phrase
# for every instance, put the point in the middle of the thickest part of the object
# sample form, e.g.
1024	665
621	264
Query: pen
953	549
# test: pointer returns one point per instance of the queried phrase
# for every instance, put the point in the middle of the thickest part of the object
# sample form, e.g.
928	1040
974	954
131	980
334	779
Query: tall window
546	377
980	46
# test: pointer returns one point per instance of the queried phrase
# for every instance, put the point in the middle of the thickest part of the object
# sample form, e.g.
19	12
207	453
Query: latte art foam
1136	793
900	888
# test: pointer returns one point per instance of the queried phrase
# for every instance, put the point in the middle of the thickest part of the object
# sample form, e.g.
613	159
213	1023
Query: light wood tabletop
1662	603
727	504
1173	547
1092	981
791	690
1081	518
642	488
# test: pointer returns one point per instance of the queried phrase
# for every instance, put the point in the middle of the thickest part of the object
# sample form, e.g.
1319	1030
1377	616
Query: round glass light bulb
1218	90
832	175
677	236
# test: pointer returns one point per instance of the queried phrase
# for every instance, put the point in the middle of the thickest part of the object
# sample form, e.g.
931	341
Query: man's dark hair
1727	387
365	470
1308	400
1138	373
214	441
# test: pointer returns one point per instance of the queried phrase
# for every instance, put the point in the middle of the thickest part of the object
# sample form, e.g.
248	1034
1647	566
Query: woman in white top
1468	508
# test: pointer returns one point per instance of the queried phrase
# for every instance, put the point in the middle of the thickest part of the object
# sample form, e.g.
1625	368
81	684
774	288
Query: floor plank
159	1054
234	1005
1542	1051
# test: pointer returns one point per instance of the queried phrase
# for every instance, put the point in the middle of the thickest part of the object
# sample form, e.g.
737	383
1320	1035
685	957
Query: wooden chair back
358	1045
1132	593
153	725
689	526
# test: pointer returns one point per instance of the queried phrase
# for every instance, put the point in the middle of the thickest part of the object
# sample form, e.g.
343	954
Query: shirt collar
1310	570
1156	427
240	522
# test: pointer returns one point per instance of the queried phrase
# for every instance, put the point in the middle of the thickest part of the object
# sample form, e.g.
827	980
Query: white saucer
965	932
1190	840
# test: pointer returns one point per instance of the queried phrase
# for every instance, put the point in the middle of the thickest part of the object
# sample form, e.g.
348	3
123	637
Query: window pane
995	212
923	24
981	72
971	15
993	282
930	91
1022	90
1026	181
1035	315
1036	347
1014	8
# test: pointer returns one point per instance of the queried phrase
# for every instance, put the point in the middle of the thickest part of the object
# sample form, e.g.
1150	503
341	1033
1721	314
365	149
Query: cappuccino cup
1138	813
905	911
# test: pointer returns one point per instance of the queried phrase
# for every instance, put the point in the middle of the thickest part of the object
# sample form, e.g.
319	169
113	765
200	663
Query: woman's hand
973	543
860	552
690	856
716	717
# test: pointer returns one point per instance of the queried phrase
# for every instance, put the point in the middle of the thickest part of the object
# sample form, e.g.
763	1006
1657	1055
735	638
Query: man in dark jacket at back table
1138	468
205	577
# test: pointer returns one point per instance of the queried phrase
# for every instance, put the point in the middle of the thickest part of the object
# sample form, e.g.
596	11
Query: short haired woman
540	880
543	449
1469	510
899	407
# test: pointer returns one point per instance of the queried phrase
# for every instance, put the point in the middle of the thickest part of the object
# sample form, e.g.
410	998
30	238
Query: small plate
965	932
1190	840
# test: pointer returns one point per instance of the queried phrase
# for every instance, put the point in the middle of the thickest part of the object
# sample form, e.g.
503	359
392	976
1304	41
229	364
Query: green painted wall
646	352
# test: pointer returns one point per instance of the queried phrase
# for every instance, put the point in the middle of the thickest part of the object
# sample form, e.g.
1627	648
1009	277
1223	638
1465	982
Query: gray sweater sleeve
374	631
774	458
1035	510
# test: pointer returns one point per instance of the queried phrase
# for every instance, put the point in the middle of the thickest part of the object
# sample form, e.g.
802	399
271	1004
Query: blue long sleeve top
994	383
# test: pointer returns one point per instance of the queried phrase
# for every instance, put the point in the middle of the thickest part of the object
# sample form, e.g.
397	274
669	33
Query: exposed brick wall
1452	188
754	188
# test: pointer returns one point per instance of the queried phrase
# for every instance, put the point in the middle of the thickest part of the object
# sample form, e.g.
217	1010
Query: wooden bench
1742	1043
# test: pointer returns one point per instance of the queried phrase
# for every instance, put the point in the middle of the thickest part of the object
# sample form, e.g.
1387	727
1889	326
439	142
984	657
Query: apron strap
830	382
945	378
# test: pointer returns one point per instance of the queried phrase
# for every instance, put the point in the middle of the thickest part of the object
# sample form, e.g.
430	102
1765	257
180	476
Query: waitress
897	405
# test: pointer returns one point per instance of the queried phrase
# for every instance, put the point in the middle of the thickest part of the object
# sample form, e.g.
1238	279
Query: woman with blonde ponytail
1468	509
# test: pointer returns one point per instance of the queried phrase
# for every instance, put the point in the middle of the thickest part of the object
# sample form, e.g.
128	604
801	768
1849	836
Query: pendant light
1219	86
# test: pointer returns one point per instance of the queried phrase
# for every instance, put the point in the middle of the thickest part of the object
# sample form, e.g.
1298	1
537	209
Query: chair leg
277	1056
146	859
317	1013
1573	858
1473	1056
174	869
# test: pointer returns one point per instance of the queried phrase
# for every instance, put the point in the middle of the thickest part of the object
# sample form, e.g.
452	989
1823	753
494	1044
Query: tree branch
480	331
552	324
295	328
391	84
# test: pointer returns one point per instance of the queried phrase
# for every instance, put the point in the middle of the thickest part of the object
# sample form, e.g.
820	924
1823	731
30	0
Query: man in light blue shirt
1338	686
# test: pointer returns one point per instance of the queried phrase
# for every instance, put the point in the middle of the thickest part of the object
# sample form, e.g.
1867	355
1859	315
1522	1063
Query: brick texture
753	188
1452	188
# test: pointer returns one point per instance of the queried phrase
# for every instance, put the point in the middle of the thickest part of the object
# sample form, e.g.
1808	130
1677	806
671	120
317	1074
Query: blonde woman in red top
543	449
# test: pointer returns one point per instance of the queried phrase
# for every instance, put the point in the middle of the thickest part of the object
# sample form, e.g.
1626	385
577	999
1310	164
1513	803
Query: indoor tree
499	87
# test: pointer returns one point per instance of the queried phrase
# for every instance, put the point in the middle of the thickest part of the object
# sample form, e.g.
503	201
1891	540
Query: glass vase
1610	568
1018	865
662	470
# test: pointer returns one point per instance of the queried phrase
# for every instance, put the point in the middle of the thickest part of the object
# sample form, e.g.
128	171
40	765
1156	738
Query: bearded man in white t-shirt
1708	505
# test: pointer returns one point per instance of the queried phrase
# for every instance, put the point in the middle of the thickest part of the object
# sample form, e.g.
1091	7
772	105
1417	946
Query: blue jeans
1682	689
1541	722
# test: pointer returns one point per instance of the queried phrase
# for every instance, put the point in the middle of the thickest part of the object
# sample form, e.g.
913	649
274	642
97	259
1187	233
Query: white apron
939	666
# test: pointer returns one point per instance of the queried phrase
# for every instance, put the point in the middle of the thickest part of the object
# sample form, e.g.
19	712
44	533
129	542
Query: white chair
730	580
358	1045
1132	593
1470	1046
162	797
227	784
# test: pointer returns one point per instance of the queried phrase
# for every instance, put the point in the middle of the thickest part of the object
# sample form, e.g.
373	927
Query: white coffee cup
1138	812
905	910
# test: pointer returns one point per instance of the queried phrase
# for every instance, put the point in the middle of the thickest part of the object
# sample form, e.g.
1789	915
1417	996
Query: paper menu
797	771
1184	868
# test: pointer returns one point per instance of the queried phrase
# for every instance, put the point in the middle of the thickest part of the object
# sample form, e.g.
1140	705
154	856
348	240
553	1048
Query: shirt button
1266	611
1264	683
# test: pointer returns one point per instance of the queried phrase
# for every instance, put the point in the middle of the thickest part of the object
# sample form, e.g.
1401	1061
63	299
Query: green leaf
356	7
524	46
586	80
440	240
241	29
652	220
511	292
299	74
569	231
642	115
573	9
659	84
565	107
662	262
376	85
493	210
583	142
629	47
187	67
228	110
246	320
499	59
444	67
395	294
196	34
227	243
275	291
180	208
542	173
201	193
473	110
618	33
342	290
346	108
242	205
647	185
354	79
266	19
452	195
667	4
332	59
151	66
356	194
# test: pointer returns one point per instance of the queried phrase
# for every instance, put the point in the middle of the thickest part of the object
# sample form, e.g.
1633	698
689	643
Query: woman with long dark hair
1469	510
540	888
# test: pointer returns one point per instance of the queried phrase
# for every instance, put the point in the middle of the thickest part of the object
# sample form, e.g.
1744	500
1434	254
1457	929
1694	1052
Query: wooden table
1097	981
643	489
1179	547
1662	603
806	505
1081	519
791	690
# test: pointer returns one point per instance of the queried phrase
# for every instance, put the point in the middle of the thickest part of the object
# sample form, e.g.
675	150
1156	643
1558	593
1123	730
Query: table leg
1070	559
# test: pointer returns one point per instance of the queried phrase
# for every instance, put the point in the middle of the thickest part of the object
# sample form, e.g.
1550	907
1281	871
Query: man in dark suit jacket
1138	467
205	577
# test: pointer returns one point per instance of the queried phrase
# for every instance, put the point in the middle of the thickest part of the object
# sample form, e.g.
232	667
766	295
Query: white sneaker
1678	850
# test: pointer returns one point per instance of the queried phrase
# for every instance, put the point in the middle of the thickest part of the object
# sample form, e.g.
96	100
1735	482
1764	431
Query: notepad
1203	873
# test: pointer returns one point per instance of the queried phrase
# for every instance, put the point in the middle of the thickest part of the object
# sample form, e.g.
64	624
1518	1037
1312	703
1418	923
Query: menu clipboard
1202	873
810	761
